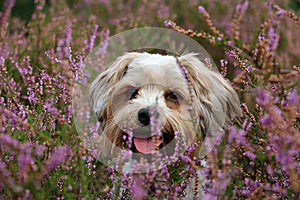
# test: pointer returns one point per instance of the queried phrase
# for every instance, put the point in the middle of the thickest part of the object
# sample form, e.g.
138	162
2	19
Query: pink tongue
146	145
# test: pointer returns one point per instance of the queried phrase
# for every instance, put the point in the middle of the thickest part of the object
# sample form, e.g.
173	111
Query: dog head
179	94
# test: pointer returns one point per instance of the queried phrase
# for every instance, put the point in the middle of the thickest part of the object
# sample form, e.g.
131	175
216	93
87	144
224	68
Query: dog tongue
146	145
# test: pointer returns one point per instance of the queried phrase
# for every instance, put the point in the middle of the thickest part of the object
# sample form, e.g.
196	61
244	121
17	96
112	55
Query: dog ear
102	87
216	102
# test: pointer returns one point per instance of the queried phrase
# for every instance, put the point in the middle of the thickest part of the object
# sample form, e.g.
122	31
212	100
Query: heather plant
256	158
41	153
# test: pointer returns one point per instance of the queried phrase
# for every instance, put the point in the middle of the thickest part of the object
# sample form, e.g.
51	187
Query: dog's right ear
103	86
217	102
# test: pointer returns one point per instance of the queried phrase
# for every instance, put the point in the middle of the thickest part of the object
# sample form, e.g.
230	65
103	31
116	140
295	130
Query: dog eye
131	92
173	96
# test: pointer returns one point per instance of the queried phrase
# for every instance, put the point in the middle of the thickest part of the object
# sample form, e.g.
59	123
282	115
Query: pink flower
280	13
202	10
138	191
263	97
266	120
168	23
59	155
250	155
241	8
293	98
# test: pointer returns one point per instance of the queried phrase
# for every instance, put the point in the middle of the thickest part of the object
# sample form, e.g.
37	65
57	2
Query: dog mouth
145	144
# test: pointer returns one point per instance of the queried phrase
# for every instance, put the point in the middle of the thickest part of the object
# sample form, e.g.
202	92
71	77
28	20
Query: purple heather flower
31	96
245	192
209	196
126	154
266	120
24	161
59	155
110	169
2	61
8	142
138	191
70	188
280	13
261	37
238	135
284	103
250	68
269	170
40	6
278	113
273	35
223	62
124	137
293	98
60	42
104	43
39	149
248	126
89	44
242	7
3	171
262	96
49	106
68	37
250	155
7	7
202	10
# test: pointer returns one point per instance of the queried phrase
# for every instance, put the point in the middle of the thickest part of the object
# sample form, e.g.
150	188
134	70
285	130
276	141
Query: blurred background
118	16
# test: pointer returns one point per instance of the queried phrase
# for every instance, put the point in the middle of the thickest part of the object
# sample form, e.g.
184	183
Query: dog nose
144	116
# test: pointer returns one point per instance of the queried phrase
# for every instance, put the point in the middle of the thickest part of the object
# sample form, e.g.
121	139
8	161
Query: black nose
143	116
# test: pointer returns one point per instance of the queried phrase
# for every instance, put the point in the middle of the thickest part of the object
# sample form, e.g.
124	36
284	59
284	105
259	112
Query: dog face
179	94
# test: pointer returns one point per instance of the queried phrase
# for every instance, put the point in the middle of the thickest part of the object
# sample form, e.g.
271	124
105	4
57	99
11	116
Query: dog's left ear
103	86
216	101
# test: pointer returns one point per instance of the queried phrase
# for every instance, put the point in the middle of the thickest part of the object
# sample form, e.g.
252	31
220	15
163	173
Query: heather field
43	44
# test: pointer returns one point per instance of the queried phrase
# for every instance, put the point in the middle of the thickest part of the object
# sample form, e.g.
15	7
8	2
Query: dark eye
131	93
173	96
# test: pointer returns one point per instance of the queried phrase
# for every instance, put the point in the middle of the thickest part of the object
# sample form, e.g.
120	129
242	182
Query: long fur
215	100
214	103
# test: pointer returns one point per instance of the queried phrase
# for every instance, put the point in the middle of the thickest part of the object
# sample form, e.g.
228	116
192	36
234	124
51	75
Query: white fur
214	100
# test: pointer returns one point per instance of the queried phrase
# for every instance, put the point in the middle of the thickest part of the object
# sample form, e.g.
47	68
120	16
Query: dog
181	94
